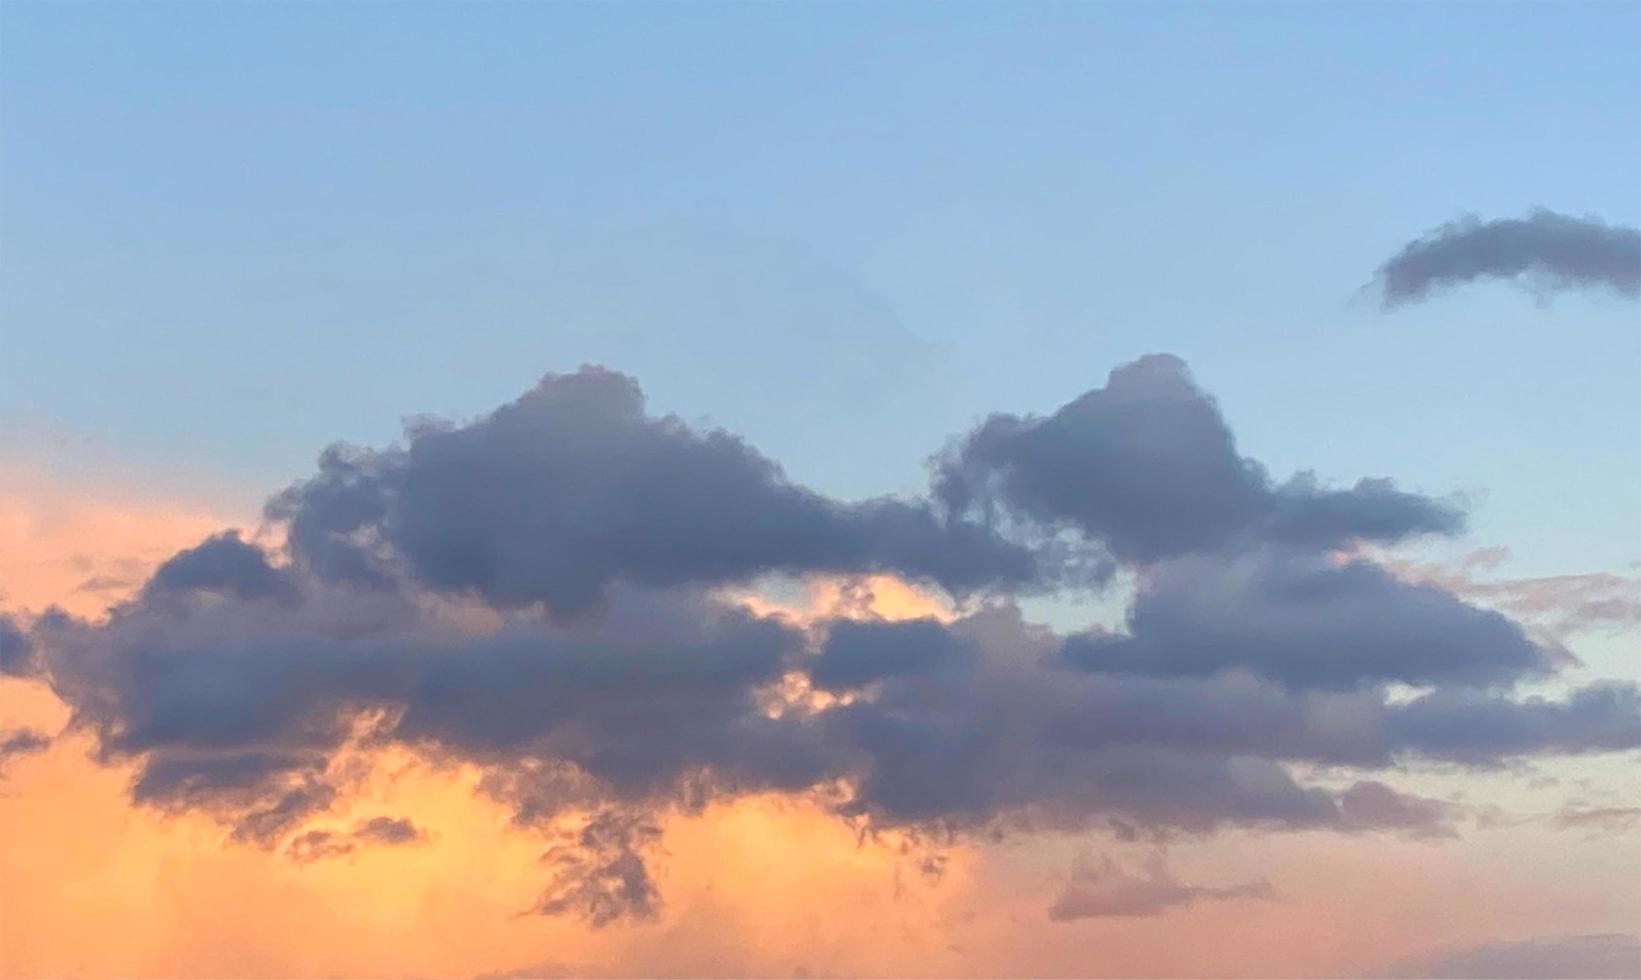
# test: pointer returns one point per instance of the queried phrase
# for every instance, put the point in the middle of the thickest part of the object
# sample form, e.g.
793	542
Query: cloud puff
541	594
572	487
1148	466
1105	890
1555	251
222	563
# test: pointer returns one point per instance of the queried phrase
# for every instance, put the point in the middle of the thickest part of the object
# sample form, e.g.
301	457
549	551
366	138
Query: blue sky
231	234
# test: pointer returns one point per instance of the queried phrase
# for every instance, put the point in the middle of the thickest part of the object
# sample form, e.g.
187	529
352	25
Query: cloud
1105	890
1307	620
1560	957
1599	819
1555	251
857	653
1561	605
315	845
222	563
600	874
17	657
1481	728
571	488
1148	466
549	594
21	741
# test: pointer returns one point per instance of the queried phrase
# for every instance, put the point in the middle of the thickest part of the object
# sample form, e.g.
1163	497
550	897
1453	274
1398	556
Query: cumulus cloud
1553	251
1105	890
572	487
1147	466
543	594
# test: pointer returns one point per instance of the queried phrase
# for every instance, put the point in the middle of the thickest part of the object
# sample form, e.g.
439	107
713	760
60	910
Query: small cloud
1107	891
1554	252
314	845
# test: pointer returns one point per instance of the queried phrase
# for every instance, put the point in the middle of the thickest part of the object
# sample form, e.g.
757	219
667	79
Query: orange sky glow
91	885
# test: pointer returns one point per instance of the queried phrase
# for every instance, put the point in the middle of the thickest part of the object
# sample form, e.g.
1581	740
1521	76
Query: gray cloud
1147	466
857	653
1554	251
572	487
1105	890
223	564
1308	620
17	657
537	594
1481	728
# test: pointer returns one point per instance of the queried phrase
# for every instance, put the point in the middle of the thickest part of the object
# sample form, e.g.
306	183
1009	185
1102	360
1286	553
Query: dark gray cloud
1612	956
538	594
1553	251
572	487
663	684
1307	620
1481	728
857	653
1147	466
1105	890
17	657
222	564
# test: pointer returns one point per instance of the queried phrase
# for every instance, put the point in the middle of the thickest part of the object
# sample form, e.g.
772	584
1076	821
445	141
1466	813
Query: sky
820	489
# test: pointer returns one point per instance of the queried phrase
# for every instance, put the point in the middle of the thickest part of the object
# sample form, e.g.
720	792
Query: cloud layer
551	593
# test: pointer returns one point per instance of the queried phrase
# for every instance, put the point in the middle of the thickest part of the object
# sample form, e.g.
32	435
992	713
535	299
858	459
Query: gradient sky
232	234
